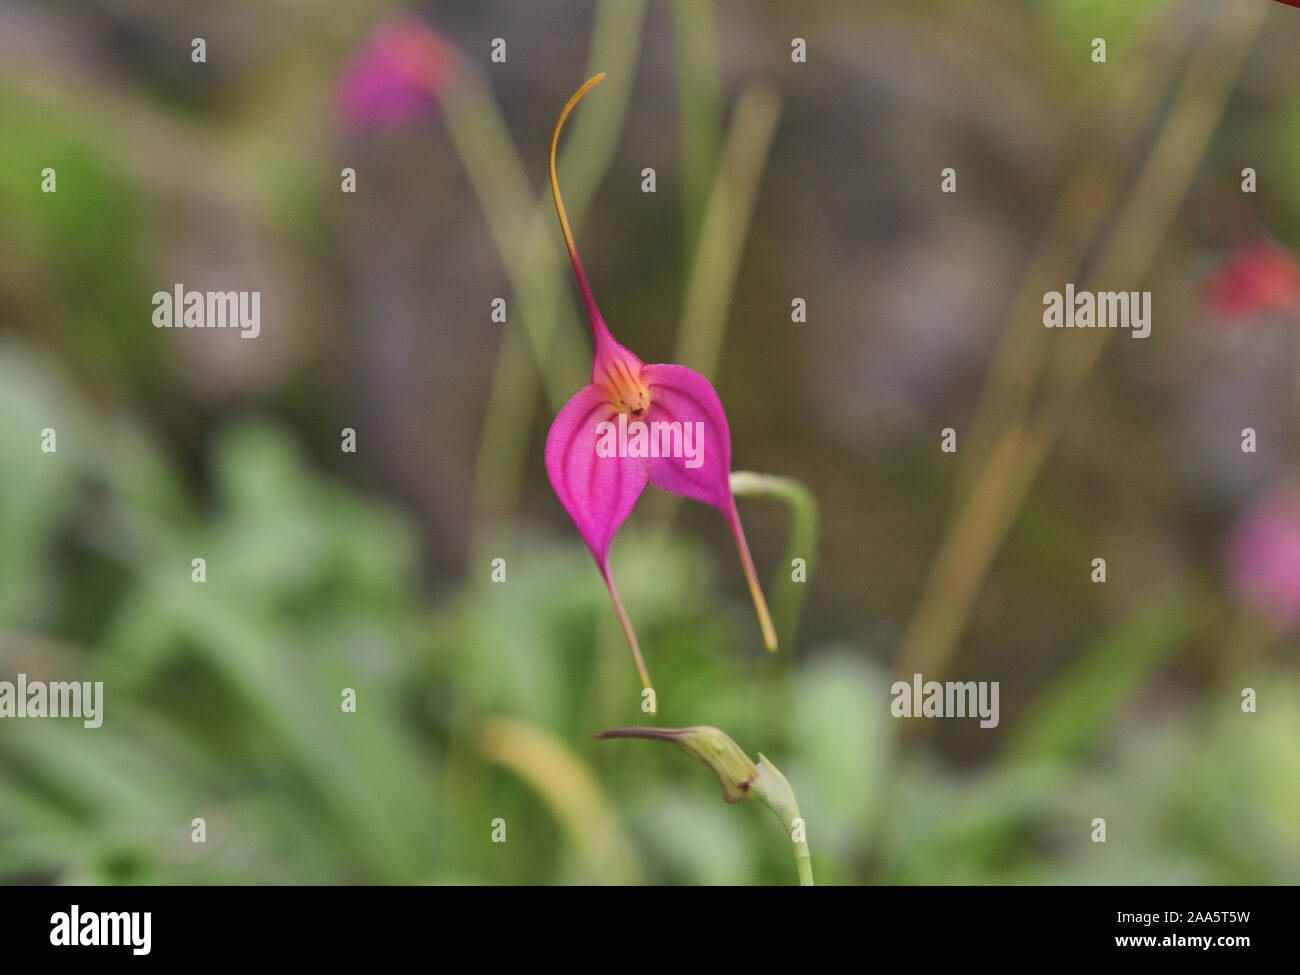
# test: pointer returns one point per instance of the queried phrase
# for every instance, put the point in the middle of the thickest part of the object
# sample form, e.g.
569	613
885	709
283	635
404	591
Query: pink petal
680	395
597	492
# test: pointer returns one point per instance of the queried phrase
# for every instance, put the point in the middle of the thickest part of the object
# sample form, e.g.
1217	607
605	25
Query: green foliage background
370	571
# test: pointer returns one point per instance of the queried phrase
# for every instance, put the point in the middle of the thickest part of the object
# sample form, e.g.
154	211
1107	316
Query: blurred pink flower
396	76
1264	555
1262	277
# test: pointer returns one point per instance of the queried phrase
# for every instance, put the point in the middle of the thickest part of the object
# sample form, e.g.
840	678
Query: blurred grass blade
566	784
699	109
712	280
1085	700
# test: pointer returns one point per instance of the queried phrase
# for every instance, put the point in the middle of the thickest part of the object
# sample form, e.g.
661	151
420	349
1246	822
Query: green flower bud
712	747
740	778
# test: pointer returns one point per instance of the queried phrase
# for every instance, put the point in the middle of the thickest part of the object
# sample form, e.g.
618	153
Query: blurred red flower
1264	277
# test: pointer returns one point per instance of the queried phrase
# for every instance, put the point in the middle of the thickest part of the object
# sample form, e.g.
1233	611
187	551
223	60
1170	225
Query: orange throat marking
624	388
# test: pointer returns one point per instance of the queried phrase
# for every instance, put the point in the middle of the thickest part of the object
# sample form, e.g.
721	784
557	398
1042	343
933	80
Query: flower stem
772	789
626	624
751	576
787	595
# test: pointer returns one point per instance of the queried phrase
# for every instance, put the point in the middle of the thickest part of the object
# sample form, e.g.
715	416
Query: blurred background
775	179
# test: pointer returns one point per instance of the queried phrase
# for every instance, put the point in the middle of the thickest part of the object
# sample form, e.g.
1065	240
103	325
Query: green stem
787	595
772	789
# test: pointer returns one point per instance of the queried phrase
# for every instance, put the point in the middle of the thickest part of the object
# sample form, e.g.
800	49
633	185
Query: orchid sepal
599	489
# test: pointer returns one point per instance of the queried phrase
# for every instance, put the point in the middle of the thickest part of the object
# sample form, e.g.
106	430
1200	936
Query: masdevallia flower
679	440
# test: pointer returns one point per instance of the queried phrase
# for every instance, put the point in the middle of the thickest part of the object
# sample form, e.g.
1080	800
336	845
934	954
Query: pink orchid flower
396	76
599	476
